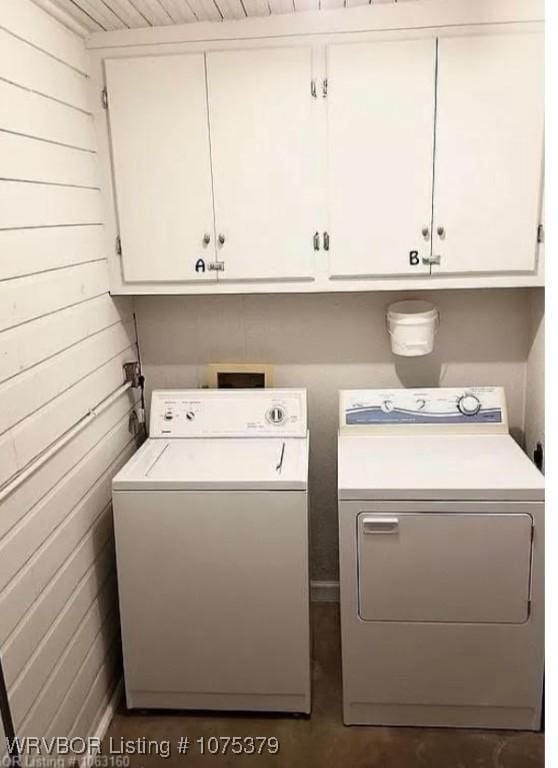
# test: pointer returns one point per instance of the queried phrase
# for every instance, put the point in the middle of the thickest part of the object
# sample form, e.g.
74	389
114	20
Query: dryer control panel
459	409
228	413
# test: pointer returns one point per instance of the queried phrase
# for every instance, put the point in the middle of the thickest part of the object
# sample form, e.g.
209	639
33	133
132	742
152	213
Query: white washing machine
441	522
211	525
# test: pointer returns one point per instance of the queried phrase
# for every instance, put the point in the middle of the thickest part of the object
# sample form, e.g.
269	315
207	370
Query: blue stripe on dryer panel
375	415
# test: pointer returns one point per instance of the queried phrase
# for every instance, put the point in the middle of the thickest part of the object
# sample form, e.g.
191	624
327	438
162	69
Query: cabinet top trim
381	17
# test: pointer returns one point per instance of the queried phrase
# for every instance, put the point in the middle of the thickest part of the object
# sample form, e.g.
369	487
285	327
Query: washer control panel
228	413
444	407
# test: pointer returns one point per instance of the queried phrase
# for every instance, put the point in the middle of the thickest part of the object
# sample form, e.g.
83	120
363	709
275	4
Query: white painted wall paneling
32	115
29	344
86	527
70	680
24	204
35	388
62	344
50	645
102	664
105	428
45	162
34	27
24	442
31	68
30	251
26	298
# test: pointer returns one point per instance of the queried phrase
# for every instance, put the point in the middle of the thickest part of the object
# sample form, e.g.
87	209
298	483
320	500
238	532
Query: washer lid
457	467
217	463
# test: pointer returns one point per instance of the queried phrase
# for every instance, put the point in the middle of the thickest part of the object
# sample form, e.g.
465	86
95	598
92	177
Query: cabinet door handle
221	240
206	240
326	241
316	241
426	232
441	232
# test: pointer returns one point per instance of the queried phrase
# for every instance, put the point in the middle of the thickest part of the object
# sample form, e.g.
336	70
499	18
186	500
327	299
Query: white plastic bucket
412	326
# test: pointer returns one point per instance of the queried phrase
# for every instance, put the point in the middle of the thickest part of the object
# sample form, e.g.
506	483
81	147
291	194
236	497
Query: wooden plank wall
63	341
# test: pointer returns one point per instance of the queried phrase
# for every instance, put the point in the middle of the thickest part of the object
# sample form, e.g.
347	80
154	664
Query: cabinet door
160	149
489	145
264	167
380	156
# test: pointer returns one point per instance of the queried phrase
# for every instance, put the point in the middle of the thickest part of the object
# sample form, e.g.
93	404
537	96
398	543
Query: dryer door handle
383	525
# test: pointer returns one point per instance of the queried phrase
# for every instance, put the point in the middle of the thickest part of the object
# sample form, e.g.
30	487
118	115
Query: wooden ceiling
99	15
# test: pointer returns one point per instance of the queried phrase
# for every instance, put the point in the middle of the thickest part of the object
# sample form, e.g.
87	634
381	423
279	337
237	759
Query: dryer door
438	567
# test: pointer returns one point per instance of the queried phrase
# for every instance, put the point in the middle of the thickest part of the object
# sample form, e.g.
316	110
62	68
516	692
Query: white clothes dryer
441	525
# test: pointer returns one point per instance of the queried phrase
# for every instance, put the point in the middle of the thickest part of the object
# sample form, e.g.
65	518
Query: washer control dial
276	415
469	405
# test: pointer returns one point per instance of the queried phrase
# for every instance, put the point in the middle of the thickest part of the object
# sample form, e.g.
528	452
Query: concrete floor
322	741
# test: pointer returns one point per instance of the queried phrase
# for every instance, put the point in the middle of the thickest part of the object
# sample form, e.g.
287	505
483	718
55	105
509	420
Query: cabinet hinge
216	266
118	246
313	91
104	98
324	87
540	233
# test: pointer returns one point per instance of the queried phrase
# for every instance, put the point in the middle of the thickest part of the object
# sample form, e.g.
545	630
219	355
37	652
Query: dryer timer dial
469	405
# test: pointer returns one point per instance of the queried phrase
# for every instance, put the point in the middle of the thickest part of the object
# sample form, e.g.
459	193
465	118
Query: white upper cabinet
264	160
382	163
489	153
380	106
161	160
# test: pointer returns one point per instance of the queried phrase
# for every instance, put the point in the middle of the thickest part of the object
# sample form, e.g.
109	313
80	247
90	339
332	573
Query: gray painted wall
330	342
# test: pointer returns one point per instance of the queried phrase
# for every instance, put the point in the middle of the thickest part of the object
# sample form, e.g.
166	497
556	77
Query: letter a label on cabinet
200	265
